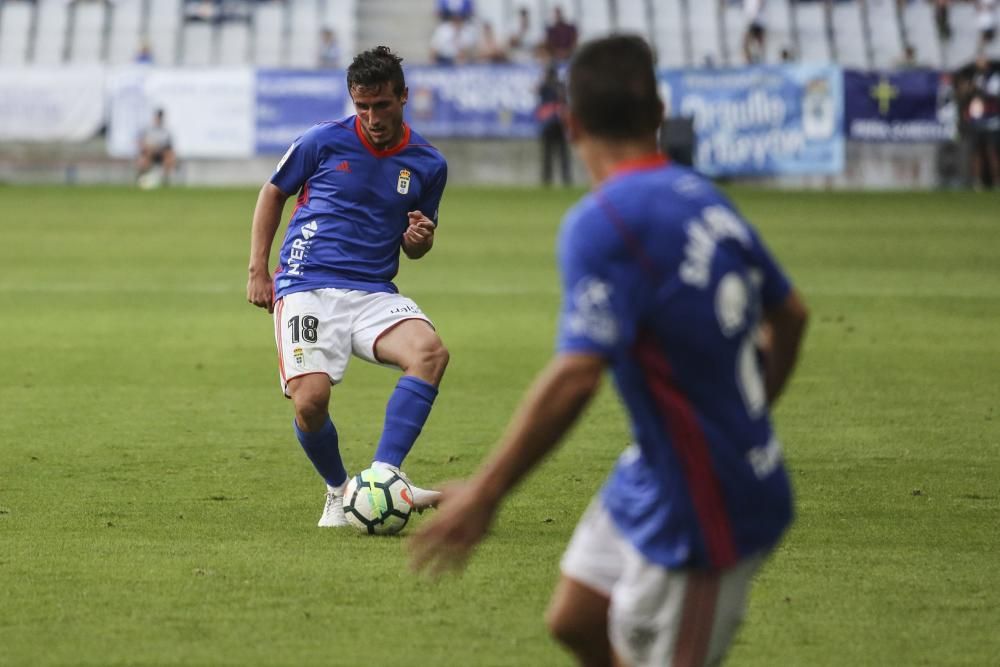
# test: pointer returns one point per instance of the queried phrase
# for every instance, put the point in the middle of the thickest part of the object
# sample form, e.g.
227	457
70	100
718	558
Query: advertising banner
51	103
473	101
761	120
898	107
290	102
208	112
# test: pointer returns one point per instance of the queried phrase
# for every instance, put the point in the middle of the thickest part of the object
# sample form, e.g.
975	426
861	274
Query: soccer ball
378	501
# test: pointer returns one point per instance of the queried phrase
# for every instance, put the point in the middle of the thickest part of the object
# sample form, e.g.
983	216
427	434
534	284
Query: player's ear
404	96
573	127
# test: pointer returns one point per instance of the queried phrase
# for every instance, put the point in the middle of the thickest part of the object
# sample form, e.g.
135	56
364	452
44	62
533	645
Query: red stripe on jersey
303	198
403	143
691	447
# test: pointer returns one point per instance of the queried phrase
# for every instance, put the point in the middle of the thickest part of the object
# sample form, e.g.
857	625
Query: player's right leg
313	338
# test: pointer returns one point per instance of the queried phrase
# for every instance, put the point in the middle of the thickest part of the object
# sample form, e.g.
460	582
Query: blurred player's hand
419	235
463	517
260	291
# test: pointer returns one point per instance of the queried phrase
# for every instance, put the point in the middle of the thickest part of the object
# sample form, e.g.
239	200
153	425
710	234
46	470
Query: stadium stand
285	33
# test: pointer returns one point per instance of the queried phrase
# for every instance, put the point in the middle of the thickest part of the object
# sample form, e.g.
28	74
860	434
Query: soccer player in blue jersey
666	285
368	186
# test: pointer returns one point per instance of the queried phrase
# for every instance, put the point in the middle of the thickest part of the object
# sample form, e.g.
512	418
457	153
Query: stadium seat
670	33
268	32
703	22
234	43
303	49
921	32
960	50
52	19
164	28
884	33
87	31
197	44
126	31
594	20
780	35
15	32
341	16
811	34
850	46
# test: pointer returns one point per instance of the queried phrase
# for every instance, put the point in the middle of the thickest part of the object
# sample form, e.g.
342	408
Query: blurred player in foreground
367	187
667	285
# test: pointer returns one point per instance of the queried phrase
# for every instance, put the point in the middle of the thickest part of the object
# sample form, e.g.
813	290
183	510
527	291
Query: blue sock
322	449
405	416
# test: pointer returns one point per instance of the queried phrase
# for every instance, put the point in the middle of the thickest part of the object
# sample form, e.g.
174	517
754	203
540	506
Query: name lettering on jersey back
300	248
716	224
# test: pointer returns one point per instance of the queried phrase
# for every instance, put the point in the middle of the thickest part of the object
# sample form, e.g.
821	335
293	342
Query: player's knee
564	630
311	409
432	358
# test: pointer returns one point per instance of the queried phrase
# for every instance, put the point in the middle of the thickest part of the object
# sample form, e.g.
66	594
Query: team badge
403	184
300	357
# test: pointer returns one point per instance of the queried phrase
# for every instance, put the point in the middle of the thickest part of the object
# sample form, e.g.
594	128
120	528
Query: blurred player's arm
266	220
418	239
784	327
546	413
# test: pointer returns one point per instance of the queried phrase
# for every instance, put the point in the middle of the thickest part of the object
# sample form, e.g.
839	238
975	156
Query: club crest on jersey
300	357
403	184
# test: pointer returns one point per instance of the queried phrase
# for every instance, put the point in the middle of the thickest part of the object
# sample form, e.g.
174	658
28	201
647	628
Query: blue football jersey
664	278
347	227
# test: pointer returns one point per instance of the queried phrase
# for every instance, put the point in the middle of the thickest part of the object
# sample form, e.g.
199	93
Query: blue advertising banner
761	120
909	106
473	101
289	102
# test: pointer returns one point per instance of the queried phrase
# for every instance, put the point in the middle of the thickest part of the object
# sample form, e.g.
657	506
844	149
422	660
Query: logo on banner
403	184
884	93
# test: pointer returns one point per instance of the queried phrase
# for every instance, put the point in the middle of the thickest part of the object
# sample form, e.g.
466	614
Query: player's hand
420	232
463	517
260	291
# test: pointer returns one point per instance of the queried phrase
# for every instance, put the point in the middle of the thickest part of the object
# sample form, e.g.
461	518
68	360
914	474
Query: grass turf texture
156	509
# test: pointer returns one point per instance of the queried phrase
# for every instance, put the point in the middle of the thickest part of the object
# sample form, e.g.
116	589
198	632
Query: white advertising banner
51	103
209	113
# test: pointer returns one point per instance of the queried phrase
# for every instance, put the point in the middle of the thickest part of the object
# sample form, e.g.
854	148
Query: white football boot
422	498
333	512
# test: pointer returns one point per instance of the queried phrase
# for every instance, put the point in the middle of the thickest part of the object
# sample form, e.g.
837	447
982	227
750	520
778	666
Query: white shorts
317	331
658	616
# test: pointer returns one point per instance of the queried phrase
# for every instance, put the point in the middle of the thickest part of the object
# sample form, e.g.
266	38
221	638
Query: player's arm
548	410
266	220
785	325
418	239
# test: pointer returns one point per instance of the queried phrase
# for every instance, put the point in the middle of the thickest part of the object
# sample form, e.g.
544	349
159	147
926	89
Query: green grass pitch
155	507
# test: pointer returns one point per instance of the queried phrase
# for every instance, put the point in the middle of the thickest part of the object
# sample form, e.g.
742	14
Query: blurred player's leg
578	619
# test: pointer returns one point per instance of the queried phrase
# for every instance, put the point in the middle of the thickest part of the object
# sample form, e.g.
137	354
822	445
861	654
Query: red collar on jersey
403	143
651	161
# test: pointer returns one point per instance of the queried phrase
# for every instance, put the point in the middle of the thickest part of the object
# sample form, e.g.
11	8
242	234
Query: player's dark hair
612	88
374	67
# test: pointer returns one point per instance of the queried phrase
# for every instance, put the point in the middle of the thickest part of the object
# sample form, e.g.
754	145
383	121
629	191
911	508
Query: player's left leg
391	330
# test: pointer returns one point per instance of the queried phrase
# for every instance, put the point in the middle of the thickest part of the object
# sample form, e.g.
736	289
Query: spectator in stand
756	33
984	123
454	41
448	8
908	59
157	159
144	56
560	37
524	42
329	49
986	22
490	50
550	112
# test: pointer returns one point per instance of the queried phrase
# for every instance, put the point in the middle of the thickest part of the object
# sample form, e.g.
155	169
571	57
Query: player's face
381	113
